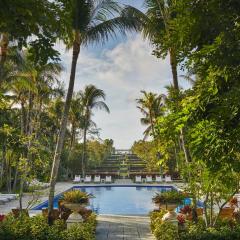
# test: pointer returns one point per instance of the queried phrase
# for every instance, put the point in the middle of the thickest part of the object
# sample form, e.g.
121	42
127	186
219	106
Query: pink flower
2	217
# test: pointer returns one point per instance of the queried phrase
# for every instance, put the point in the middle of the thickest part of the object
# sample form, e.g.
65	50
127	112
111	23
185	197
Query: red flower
186	209
181	219
233	202
2	217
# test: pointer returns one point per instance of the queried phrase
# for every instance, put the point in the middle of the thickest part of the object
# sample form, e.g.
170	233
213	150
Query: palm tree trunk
28	132
84	162
15	178
152	124
184	146
3	163
60	141
173	62
3	53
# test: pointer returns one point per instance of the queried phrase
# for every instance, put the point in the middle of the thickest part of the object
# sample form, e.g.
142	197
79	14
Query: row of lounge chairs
5	198
38	185
88	179
149	179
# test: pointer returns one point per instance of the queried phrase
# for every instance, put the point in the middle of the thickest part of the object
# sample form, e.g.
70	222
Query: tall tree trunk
184	146
3	53
84	162
9	182
23	132
152	124
15	178
173	62
28	133
60	141
3	162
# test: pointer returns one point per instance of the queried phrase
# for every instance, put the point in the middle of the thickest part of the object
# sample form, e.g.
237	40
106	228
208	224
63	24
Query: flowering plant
181	219
2	217
233	202
186	209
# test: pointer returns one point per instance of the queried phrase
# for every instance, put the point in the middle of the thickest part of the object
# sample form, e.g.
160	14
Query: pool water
118	200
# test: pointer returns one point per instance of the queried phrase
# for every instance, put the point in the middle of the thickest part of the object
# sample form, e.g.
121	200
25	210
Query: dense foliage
224	230
31	105
37	228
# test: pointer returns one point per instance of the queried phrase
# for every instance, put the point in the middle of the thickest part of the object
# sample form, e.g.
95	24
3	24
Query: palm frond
103	30
101	105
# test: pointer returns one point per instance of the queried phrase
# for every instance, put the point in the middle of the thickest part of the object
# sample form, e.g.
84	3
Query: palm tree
157	29
91	22
151	105
75	118
91	98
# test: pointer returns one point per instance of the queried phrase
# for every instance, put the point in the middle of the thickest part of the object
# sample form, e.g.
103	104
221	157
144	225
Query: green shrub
168	197
166	231
37	228
222	231
156	219
76	196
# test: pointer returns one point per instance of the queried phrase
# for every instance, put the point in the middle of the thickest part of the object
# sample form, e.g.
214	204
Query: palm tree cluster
151	106
83	22
31	108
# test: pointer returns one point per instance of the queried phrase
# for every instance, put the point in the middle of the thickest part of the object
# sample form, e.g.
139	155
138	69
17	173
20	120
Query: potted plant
75	200
170	200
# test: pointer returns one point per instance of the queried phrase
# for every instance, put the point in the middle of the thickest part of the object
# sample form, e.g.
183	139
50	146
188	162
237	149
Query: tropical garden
45	128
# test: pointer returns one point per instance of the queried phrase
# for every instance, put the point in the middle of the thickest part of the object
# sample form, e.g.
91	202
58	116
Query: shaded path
124	228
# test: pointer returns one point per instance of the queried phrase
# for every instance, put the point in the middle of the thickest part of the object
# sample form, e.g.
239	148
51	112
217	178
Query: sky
122	68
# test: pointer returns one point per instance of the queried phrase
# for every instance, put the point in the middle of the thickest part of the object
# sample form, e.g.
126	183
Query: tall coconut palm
151	105
91	98
158	29
91	22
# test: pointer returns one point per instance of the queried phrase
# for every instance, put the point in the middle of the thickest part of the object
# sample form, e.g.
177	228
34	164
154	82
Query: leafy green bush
37	228
168	197
166	231
156	219
76	196
224	230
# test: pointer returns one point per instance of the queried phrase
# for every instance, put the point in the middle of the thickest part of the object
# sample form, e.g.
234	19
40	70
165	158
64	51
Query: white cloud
121	72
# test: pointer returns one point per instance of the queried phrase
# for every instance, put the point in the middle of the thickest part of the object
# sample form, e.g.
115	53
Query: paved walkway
124	228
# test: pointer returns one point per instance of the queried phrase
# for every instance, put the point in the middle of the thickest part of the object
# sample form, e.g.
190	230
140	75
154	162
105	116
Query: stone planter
171	215
75	217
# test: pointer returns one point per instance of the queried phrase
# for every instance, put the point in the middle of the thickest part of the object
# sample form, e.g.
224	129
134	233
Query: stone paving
124	228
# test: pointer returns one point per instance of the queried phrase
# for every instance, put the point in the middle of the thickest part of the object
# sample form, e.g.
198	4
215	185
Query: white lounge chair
8	196
108	179
138	179
168	179
36	183
149	179
87	179
97	179
77	179
159	179
4	199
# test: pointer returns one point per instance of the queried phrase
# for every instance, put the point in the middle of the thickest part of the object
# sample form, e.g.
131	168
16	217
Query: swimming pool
118	200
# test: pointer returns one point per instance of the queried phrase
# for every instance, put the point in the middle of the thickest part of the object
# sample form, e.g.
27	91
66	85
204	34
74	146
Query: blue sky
122	68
